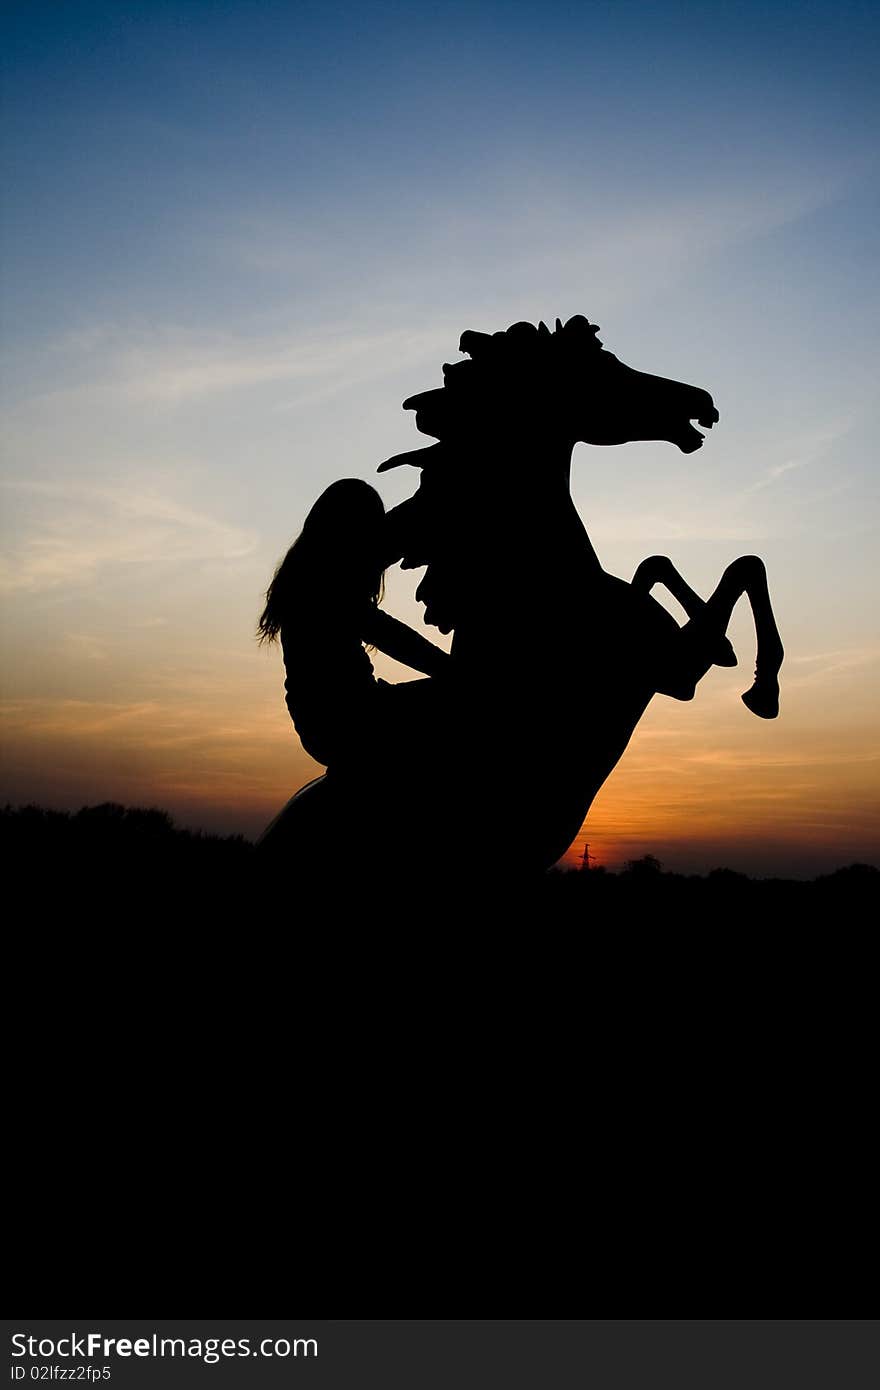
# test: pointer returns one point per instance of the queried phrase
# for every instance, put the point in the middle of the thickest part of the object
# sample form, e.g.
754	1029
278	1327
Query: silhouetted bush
121	864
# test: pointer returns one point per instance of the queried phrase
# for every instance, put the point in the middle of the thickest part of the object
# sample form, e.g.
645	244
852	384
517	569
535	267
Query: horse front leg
748	576
659	569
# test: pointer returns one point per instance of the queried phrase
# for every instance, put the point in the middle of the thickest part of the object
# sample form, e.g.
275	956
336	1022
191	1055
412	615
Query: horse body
556	658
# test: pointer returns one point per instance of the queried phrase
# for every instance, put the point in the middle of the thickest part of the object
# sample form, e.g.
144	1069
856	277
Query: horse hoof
725	655
762	700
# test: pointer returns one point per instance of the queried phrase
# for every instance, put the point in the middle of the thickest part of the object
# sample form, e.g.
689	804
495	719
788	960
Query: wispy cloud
656	244
169	751
819	666
534	227
88	718
774	473
685	525
129	365
737	759
800	451
87	646
87	531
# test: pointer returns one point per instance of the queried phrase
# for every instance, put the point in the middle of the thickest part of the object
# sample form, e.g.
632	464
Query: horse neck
526	502
525	526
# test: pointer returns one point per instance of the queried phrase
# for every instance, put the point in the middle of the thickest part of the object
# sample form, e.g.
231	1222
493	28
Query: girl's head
338	554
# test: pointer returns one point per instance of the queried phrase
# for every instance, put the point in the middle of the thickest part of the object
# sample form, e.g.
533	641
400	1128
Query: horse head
529	383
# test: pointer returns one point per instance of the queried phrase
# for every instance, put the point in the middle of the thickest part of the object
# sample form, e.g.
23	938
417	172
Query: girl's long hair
339	547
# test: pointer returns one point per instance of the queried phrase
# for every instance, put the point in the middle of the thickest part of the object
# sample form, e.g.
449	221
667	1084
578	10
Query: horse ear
559	325
543	330
454	372
472	343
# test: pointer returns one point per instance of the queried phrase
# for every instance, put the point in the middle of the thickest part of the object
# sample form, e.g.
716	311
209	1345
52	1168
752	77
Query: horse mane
522	358
523	361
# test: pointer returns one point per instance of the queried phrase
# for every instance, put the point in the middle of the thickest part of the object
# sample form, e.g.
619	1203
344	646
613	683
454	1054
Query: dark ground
111	861
668	1079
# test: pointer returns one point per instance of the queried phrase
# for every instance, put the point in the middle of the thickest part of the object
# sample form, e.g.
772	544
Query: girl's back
330	689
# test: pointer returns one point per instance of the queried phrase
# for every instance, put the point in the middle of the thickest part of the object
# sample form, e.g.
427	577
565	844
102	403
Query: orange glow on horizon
700	783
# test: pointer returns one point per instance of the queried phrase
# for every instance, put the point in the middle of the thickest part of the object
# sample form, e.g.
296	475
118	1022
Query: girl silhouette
323	602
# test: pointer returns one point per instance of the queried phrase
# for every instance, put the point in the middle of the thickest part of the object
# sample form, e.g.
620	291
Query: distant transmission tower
587	858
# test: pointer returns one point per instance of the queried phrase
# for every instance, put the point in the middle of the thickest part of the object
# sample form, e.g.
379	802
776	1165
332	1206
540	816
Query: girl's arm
397	640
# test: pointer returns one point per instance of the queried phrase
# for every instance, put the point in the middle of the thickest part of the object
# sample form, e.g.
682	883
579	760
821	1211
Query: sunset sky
235	236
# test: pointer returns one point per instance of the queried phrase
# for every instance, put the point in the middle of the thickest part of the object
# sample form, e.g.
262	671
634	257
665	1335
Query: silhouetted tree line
123	859
720	888
119	859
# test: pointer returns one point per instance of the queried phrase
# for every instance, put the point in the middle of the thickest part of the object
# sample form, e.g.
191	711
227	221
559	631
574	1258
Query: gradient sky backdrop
237	235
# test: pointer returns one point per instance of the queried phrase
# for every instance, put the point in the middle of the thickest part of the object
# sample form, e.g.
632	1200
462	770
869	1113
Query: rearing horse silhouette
542	700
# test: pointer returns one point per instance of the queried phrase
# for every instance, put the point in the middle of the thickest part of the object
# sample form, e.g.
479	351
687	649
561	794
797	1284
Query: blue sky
236	236
146	143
